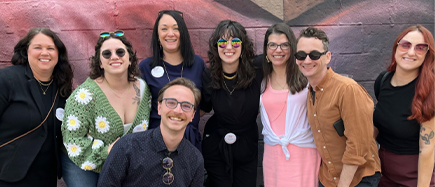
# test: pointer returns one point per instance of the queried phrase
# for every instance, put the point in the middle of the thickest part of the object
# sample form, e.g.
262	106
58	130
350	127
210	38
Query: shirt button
318	130
324	147
315	115
329	162
335	178
321	89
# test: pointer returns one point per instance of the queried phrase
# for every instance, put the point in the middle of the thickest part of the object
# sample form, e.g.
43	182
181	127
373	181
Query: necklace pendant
43	93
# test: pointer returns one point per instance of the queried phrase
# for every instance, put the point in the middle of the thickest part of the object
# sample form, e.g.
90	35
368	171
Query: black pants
369	181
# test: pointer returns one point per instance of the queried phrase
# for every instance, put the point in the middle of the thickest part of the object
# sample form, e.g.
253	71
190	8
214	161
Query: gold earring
268	61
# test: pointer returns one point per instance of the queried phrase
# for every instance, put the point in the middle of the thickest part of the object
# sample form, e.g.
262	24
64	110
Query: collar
322	84
28	72
159	145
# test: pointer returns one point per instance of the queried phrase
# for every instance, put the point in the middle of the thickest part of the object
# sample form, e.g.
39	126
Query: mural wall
361	32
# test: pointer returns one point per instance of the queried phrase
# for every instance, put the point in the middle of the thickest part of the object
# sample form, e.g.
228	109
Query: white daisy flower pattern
73	149
89	137
97	144
73	123
143	126
101	124
87	165
83	96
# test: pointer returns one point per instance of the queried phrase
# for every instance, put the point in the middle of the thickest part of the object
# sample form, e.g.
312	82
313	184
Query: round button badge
157	71
230	138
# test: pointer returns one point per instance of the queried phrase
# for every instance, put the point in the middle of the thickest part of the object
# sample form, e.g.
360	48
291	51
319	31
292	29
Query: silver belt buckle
230	138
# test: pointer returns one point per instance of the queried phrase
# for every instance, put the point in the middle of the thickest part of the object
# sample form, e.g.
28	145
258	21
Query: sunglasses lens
404	45
300	55
120	52
167	163
421	48
119	33
104	34
106	54
168	178
236	42
222	43
315	55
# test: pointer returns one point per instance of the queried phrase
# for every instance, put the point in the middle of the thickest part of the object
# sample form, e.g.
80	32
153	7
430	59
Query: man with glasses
161	156
340	113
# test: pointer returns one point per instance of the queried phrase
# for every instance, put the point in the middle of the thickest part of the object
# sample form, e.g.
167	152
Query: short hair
245	70
296	81
62	72
182	82
186	48
97	71
312	32
422	106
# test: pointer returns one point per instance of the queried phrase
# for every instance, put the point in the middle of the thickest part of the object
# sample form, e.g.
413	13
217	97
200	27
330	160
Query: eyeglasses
120	52
116	33
168	177
420	49
168	11
274	46
314	55
235	42
173	103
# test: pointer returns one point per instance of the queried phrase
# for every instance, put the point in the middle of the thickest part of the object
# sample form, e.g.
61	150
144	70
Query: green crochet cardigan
90	124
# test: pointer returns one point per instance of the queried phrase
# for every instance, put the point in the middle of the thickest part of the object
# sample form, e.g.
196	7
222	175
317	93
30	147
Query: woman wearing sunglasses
231	87
290	155
111	103
32	92
173	57
404	114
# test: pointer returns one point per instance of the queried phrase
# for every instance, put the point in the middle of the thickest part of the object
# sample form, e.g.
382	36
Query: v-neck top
90	124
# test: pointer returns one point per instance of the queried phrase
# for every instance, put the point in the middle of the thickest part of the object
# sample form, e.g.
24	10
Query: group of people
136	124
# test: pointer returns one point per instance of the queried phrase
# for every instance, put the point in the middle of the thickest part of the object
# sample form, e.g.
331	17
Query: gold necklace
182	68
231	92
229	78
43	84
113	91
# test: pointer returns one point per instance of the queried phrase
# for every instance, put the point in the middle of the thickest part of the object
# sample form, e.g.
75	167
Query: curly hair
186	48
97	71
423	103
245	70
296	81
312	32
62	72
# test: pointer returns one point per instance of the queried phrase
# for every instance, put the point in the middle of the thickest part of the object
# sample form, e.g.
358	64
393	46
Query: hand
111	145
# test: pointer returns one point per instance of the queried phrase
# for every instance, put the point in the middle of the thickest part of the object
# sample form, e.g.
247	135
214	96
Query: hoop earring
268	61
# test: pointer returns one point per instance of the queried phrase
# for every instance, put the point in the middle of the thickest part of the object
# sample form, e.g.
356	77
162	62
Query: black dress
231	164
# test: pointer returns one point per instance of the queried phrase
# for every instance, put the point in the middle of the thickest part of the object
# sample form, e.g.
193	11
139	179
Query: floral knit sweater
91	124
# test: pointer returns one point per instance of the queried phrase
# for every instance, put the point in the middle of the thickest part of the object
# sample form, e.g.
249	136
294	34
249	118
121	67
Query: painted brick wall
362	32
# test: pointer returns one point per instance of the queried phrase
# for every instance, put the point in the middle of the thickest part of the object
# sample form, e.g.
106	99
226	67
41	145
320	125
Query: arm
375	132
346	175
356	109
5	83
198	179
115	168
426	156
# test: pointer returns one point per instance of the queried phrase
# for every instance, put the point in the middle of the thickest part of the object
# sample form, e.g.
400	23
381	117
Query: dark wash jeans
369	181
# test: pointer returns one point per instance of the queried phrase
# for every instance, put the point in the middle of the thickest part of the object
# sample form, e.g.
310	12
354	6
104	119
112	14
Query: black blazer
21	109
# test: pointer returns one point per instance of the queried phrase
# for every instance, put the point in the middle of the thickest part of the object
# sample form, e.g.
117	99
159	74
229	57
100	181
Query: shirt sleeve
5	83
85	151
357	113
198	179
115	168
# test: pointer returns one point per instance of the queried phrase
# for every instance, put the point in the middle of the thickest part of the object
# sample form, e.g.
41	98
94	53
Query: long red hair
423	103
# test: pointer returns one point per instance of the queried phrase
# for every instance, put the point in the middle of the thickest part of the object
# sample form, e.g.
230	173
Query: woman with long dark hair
32	97
231	87
404	115
173	57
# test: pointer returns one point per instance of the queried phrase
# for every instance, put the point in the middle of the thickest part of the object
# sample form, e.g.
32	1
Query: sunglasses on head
168	177
120	52
420	49
116	33
235	42
314	55
168	11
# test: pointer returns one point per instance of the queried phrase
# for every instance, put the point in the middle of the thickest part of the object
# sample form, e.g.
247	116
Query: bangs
231	32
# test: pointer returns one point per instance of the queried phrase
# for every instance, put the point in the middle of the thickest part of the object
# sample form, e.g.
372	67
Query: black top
136	160
32	160
396	133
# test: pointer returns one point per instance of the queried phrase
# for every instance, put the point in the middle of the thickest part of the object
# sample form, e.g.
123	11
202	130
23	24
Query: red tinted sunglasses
420	49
